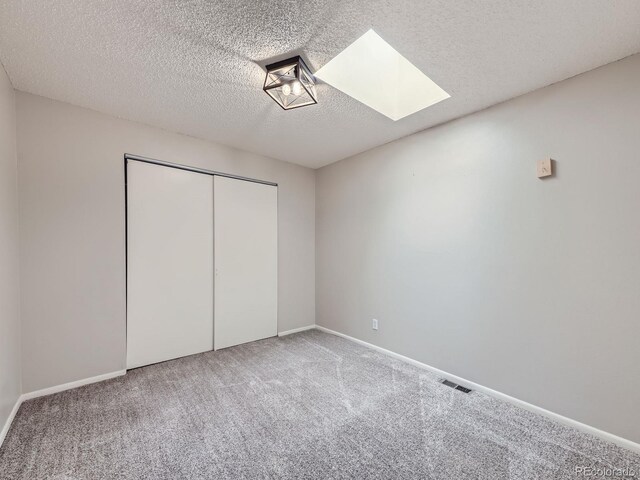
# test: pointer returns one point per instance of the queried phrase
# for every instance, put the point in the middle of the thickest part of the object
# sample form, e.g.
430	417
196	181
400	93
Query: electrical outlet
374	324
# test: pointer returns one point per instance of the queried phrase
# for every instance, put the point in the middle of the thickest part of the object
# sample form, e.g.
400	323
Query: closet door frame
137	158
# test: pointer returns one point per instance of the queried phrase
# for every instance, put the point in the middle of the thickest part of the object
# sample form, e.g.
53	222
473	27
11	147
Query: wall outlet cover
543	168
374	324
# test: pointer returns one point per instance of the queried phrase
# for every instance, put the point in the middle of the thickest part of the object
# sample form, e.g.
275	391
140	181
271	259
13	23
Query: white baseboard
296	330
9	421
623	442
70	385
50	390
610	437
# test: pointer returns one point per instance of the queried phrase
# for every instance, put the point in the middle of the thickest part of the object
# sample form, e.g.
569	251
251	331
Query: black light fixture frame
300	66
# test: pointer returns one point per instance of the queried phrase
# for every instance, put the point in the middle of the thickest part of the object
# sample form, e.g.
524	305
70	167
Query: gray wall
9	281
474	266
71	188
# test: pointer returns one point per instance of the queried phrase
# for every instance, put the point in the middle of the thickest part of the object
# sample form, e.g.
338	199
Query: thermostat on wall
544	168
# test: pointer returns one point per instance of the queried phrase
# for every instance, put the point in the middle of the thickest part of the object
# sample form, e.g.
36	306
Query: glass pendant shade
290	83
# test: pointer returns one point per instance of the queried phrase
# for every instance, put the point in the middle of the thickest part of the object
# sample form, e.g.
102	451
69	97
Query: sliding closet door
169	263
246	261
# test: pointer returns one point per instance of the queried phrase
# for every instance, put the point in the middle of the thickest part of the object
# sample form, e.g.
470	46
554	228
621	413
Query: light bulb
296	88
286	89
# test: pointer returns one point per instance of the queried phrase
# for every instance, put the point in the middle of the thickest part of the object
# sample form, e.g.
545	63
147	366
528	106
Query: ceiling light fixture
290	83
393	86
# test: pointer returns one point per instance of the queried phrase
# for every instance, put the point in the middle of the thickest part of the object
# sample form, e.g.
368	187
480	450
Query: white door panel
169	263
246	261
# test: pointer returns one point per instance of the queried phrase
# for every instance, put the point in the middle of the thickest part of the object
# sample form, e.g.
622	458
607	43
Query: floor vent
455	386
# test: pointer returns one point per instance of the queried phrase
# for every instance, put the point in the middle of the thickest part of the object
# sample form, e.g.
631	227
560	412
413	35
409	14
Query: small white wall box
543	168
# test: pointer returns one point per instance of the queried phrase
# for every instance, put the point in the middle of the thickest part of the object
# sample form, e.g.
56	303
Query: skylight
374	73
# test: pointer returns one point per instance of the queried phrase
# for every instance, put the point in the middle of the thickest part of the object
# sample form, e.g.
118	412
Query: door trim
128	156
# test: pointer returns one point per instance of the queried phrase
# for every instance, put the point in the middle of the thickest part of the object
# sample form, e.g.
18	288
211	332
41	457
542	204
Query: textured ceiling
195	67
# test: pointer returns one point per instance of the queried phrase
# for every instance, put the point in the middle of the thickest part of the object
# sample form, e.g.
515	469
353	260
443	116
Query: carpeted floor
306	406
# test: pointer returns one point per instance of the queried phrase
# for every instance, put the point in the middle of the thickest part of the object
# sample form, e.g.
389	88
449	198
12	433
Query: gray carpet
306	406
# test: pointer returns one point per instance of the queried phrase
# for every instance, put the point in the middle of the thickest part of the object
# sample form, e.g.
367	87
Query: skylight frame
371	71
